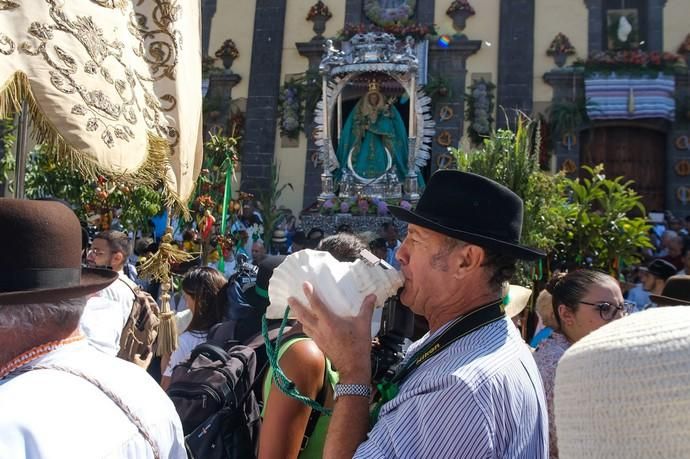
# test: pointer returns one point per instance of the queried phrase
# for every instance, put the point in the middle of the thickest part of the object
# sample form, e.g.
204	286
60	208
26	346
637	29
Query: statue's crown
373	86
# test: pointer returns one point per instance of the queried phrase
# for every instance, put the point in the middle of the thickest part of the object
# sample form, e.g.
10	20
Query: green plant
566	116
438	87
268	200
602	233
7	162
512	159
48	175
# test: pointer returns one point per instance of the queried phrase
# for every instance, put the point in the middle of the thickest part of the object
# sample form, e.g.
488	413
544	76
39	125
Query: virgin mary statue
373	139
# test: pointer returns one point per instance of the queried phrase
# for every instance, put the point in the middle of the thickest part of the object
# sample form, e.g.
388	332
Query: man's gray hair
26	317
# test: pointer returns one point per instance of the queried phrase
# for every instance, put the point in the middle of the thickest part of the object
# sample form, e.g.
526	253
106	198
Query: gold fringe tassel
158	267
151	173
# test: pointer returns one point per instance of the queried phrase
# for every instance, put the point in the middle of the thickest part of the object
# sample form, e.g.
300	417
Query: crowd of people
471	384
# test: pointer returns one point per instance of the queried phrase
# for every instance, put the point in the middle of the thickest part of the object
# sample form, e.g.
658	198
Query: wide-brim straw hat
41	259
518	298
623	391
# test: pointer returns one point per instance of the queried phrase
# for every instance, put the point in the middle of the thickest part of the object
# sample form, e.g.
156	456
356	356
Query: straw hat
517	298
623	391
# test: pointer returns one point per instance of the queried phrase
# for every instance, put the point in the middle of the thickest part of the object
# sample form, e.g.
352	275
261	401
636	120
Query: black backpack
217	393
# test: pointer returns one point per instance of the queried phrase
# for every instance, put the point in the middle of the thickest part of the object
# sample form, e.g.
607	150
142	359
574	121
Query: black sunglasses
608	311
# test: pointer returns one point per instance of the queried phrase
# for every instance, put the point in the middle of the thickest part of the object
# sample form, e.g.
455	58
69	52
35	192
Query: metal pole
21	151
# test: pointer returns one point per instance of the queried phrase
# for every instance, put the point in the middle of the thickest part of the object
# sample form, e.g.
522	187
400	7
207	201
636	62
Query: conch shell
341	285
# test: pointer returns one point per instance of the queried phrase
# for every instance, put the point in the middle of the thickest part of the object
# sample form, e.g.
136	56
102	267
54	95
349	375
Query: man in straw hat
623	391
59	397
469	388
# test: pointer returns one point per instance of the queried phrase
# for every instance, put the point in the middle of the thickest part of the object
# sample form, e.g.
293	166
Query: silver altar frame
381	53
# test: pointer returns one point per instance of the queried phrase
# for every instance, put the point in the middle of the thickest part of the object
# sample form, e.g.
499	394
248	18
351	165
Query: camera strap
460	327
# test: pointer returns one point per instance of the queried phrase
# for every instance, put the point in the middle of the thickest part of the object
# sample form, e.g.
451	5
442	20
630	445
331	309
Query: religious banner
111	85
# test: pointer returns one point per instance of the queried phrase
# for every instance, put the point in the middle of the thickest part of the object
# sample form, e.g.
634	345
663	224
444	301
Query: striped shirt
481	397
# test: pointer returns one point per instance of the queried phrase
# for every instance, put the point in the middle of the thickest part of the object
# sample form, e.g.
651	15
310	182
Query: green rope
279	378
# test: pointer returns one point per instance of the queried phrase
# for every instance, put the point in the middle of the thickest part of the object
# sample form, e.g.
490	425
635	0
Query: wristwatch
352	390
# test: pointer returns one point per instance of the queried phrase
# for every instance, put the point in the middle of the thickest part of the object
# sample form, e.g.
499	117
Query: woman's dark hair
343	246
569	288
205	286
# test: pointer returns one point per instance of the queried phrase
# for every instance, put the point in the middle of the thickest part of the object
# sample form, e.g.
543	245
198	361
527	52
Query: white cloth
102	324
52	414
182	320
186	343
106	314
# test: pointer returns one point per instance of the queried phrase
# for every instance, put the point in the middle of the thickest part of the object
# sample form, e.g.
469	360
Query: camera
246	272
397	325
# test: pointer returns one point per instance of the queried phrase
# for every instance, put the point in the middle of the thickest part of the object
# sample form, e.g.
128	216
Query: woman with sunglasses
583	301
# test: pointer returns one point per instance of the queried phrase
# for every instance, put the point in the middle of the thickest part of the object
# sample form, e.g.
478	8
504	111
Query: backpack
217	394
141	329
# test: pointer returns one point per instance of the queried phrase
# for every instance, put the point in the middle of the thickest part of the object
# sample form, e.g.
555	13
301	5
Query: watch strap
352	390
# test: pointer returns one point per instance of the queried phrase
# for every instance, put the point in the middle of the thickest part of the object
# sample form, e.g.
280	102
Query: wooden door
637	154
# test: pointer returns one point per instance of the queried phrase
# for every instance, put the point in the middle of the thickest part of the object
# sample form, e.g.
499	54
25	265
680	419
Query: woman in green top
284	418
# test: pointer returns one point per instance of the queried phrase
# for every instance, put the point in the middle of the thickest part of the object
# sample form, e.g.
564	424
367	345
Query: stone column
655	25
567	85
262	102
595	40
208	10
515	59
313	51
450	63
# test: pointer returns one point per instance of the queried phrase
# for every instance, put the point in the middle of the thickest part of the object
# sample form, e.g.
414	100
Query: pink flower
405	205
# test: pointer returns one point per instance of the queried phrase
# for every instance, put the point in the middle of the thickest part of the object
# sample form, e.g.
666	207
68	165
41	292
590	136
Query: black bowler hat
473	209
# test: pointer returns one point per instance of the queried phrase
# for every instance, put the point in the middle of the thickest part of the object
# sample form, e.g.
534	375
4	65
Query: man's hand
346	341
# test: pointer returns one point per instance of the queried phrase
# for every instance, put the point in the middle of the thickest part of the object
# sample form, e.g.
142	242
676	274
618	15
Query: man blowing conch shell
470	387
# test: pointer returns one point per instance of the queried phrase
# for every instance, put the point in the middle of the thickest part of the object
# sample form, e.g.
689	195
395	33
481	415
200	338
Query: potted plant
560	49
459	11
319	14
227	53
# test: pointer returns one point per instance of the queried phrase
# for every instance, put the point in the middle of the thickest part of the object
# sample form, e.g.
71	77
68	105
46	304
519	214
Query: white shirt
186	343
53	414
106	314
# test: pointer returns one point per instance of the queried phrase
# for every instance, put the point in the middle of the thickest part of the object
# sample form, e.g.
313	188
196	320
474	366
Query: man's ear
117	259
466	259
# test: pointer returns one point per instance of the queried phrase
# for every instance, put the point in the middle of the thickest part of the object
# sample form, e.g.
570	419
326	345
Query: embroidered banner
611	97
111	84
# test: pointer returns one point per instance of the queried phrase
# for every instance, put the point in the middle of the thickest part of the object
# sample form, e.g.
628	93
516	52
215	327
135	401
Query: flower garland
480	108
633	62
361	205
384	16
416	31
